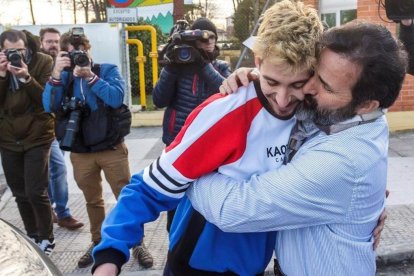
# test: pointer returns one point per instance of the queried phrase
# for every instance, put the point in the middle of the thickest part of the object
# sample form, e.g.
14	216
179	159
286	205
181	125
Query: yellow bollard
140	60
154	51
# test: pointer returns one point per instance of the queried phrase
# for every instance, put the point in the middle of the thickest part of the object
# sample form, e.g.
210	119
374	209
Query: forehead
337	71
52	36
19	44
282	72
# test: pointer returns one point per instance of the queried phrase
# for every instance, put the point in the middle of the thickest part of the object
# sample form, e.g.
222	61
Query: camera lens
184	54
15	59
81	59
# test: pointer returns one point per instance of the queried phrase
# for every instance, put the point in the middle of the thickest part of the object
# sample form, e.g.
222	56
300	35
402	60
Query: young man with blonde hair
238	135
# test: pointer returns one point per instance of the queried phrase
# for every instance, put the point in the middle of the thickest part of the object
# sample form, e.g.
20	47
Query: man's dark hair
382	58
47	30
66	39
12	36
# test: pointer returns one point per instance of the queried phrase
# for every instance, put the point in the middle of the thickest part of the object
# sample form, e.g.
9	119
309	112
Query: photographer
58	184
26	132
183	85
85	98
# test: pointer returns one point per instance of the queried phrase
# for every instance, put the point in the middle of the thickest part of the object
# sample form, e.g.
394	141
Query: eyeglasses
52	41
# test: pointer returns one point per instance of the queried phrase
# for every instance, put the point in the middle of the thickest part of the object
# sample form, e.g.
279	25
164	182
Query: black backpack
101	129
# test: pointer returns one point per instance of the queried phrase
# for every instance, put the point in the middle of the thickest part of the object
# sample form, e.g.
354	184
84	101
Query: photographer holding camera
87	99
26	132
192	74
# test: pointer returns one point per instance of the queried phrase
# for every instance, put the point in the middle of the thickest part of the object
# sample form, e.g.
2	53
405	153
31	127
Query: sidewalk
145	145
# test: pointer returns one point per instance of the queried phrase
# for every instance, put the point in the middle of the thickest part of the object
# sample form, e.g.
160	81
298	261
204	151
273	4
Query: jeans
58	185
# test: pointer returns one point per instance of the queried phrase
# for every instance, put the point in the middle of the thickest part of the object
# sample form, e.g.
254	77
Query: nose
310	87
283	97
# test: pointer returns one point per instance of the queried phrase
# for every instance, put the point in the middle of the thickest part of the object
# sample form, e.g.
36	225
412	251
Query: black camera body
75	108
14	56
398	10
77	56
179	48
182	52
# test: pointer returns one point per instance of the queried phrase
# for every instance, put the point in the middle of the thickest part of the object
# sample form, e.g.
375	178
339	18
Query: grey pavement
144	144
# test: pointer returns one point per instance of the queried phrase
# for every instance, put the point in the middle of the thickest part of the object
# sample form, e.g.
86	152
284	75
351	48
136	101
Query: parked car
21	256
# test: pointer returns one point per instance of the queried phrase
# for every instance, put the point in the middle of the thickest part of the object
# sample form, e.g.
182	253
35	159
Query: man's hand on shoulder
107	269
240	77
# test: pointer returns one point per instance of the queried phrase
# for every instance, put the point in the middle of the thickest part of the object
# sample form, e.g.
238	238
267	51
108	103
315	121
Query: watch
25	79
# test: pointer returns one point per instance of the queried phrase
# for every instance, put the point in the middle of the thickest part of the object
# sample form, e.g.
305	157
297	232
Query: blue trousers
58	184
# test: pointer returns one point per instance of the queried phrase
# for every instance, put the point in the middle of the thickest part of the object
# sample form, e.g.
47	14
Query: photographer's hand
83	72
62	61
199	58
3	64
20	72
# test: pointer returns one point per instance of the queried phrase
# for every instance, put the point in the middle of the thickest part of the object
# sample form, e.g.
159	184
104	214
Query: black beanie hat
203	23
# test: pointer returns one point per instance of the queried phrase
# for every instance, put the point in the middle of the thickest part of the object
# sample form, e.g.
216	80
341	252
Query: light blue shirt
324	204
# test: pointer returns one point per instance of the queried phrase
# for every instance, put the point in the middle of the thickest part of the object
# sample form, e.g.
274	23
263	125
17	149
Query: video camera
398	10
14	56
77	57
181	51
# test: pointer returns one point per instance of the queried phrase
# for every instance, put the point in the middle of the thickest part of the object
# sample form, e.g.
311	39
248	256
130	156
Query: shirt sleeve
301	194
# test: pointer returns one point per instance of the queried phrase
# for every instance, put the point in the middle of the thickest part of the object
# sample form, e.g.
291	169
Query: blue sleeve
164	90
110	87
123	227
213	76
52	95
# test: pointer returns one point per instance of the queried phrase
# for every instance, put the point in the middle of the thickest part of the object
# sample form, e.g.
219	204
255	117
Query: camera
75	107
14	56
397	10
77	56
180	42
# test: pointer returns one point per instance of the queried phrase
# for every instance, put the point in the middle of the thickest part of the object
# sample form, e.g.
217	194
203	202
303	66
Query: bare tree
202	9
31	12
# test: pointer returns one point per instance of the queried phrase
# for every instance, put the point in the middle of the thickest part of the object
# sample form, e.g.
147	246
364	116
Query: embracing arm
300	194
123	227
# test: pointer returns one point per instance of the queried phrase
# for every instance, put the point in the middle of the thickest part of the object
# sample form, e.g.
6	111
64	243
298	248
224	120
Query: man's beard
53	52
309	110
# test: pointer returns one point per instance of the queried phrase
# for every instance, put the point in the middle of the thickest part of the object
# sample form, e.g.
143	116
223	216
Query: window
329	18
347	15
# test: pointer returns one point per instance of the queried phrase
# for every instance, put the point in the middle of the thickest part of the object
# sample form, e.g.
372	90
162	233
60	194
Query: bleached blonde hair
288	34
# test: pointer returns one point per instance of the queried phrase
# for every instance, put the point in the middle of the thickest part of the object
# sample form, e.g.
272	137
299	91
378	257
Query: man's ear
367	107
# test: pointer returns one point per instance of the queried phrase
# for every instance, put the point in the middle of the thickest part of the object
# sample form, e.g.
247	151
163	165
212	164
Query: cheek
297	93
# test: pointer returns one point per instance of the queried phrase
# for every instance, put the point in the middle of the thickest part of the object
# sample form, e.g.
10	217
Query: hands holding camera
66	61
6	65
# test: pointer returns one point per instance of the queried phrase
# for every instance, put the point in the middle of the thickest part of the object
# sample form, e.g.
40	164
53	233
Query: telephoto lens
72	128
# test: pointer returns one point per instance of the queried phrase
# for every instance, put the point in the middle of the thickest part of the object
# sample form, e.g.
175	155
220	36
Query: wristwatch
25	79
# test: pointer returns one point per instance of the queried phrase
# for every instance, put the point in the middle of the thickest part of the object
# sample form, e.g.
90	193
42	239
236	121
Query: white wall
104	38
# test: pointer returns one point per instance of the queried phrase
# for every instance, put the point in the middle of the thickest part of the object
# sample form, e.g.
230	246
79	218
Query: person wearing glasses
26	132
58	184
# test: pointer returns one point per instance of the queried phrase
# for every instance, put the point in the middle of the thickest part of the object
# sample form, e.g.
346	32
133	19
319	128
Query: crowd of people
240	175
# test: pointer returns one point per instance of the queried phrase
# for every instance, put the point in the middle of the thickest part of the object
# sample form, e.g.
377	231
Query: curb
396	255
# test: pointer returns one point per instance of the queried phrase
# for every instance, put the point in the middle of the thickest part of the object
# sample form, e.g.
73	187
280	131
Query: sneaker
86	259
142	255
70	223
47	246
